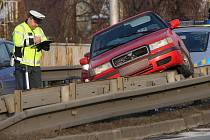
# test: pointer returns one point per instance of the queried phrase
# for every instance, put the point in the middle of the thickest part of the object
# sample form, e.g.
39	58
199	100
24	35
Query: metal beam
106	106
61	73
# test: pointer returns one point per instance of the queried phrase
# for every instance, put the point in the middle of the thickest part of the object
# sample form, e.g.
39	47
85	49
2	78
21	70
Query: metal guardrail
54	73
76	104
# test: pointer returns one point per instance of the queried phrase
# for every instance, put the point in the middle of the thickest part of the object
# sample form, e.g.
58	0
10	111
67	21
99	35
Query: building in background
8	15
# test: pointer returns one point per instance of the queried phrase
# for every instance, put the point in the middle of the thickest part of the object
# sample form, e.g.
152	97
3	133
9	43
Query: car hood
141	41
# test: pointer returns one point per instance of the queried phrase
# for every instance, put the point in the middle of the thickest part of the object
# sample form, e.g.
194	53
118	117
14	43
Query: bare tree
68	26
168	9
75	21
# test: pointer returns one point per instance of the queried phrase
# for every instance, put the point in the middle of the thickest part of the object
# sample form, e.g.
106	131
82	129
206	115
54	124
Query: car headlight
160	43
86	67
102	68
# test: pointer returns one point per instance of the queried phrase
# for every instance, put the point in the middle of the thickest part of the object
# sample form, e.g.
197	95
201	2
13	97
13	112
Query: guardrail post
10	104
113	85
179	77
171	76
208	70
120	83
204	70
197	72
117	84
65	90
18	101
72	91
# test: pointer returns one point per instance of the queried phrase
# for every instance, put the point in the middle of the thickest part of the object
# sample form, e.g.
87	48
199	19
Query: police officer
27	56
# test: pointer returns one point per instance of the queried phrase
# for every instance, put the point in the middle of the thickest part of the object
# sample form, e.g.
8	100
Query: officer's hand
39	49
37	39
46	48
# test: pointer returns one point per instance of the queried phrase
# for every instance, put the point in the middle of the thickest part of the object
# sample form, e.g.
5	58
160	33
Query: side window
4	55
195	41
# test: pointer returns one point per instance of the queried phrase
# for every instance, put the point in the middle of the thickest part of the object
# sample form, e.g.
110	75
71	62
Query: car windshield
126	31
195	41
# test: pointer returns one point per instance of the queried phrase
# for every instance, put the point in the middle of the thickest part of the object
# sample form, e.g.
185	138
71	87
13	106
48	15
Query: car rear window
4	55
125	32
10	46
195	41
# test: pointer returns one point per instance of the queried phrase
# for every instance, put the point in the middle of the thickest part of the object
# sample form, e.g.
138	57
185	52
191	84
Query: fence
64	54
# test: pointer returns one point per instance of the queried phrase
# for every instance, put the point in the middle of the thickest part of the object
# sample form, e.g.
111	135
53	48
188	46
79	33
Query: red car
139	45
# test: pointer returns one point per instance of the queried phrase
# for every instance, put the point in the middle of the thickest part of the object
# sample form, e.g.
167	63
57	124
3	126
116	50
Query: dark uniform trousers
34	74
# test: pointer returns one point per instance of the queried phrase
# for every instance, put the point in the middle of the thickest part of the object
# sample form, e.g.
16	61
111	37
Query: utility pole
114	11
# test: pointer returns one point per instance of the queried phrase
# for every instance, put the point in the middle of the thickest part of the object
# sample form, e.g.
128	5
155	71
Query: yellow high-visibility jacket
21	35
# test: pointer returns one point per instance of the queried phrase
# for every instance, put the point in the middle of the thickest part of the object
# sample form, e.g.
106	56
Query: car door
7	79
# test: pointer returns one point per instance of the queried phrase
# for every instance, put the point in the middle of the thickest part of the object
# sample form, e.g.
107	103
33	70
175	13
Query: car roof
193	28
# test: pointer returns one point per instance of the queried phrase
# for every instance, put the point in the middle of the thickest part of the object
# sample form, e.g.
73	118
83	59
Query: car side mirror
85	59
174	23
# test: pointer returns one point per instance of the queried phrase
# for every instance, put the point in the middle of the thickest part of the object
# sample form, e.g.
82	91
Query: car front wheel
187	68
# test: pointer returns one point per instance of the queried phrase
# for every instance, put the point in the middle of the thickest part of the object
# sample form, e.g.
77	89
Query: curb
194	120
206	116
153	129
132	131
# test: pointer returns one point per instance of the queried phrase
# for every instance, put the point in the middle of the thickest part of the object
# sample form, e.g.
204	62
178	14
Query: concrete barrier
144	131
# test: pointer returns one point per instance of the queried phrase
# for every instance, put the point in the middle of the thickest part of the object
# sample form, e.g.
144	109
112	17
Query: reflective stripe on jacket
30	55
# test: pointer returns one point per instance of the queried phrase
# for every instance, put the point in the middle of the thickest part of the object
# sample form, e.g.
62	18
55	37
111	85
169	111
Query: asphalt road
196	134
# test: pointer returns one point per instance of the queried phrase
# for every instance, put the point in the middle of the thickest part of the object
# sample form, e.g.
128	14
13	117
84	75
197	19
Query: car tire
187	68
